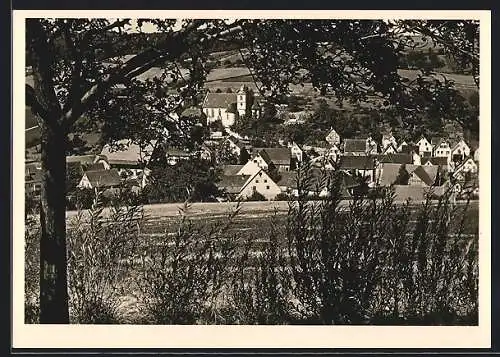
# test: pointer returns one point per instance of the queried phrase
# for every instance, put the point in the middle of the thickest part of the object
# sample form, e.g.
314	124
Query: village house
269	158
424	147
441	148
333	138
239	148
441	162
250	168
33	178
244	186
318	186
360	146
418	175
364	166
296	152
103	179
389	143
175	155
460	151
468	165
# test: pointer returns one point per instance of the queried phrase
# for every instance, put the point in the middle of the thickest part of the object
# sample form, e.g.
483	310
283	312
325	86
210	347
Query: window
256	181
211	112
265	180
267	187
255	161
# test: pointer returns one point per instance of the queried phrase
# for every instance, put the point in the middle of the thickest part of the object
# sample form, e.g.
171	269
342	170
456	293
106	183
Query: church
227	107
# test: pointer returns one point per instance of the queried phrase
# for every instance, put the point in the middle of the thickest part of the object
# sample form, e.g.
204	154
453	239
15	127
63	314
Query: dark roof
231	170
288	179
396	158
95	167
409	148
103	178
349	162
390	172
219	100
423	175
354	145
436	140
278	156
232	183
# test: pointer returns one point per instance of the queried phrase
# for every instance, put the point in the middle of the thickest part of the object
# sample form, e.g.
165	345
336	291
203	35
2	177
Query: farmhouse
359	165
460	151
267	158
389	141
244	186
100	179
333	138
424	147
468	166
441	148
364	146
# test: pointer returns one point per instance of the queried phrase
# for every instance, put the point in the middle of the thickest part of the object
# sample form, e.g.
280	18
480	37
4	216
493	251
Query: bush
256	196
283	196
100	249
180	278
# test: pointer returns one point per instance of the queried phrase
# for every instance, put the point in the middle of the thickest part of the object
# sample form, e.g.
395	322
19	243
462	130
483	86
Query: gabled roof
231	170
422	138
462	165
103	178
390	172
408	148
98	166
278	156
421	173
458	142
357	162
232	184
355	145
219	100
396	158
388	137
132	153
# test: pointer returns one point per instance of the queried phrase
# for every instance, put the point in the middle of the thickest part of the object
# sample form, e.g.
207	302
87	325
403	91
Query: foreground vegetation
368	262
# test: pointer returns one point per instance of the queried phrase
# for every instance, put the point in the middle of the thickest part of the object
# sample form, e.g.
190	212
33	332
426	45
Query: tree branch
170	49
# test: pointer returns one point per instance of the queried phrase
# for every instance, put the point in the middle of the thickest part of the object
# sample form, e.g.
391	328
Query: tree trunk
53	260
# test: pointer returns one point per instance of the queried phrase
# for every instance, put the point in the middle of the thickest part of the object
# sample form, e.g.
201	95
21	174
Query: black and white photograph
258	171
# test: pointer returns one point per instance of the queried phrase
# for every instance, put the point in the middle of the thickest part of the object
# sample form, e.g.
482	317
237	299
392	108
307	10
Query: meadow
300	262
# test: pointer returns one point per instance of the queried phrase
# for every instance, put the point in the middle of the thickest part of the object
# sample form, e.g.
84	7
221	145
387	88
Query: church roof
219	100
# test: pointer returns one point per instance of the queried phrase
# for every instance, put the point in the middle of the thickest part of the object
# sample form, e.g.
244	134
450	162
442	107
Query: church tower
241	101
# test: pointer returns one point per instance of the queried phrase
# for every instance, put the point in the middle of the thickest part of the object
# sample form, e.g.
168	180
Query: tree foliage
353	60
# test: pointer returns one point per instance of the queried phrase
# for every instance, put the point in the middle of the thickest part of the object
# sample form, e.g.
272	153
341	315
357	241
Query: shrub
256	196
283	196
100	249
260	288
31	269
179	278
365	263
